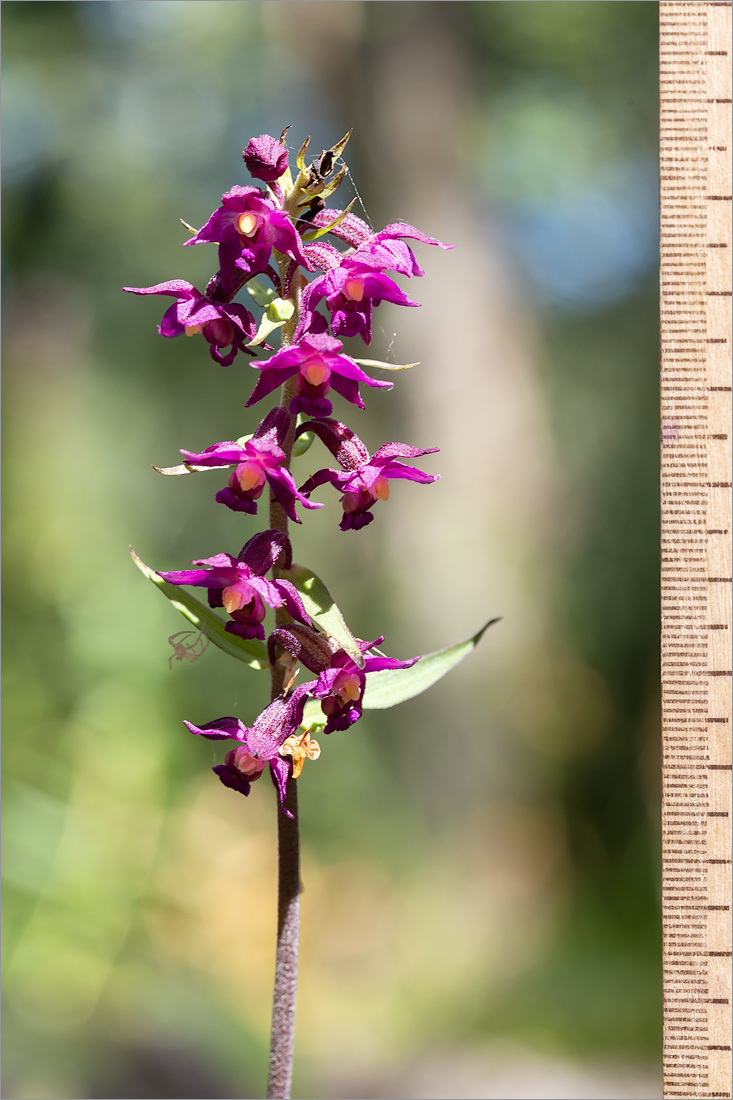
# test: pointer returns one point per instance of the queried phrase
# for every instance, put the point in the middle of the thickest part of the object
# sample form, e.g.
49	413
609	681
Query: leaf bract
323	609
395	685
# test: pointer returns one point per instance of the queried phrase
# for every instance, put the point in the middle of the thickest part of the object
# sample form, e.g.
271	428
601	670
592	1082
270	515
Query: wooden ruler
695	144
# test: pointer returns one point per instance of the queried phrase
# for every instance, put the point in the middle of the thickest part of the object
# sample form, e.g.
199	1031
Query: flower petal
280	769
269	380
177	288
262	551
232	780
221	729
219	454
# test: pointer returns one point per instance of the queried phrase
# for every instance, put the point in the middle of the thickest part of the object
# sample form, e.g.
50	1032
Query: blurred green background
480	865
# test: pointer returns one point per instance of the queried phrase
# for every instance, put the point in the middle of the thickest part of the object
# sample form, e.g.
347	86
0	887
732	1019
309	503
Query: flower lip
219	332
363	479
354	289
236	596
348	686
258	461
247	765
259	744
352	502
315	356
222	324
250	475
247	226
315	371
380	489
242	583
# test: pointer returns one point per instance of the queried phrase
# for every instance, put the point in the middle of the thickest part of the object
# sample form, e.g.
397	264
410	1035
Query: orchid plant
311	292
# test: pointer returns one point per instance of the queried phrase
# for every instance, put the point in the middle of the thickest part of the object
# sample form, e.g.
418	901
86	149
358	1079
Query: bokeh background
480	912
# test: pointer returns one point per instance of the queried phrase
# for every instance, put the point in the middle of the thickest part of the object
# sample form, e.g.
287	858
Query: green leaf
251	651
322	608
266	328
176	471
395	685
385	366
339	147
302	443
280	309
276	314
313	715
262	294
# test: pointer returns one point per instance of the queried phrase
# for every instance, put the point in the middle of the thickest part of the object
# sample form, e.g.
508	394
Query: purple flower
388	252
239	584
247	226
266	158
351	291
340	685
257	462
319	367
262	744
221	324
364	480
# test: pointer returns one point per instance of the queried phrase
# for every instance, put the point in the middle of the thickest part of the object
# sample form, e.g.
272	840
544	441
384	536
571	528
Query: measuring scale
695	287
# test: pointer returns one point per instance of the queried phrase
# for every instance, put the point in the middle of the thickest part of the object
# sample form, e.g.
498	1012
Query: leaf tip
477	637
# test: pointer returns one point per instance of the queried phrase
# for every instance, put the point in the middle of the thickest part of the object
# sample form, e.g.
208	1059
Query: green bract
314	234
277	312
385	366
249	650
323	610
262	294
393	686
387	689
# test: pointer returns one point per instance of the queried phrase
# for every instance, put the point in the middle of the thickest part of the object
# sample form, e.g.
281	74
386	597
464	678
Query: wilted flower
263	743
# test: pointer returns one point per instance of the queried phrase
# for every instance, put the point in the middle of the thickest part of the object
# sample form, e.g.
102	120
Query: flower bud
266	158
